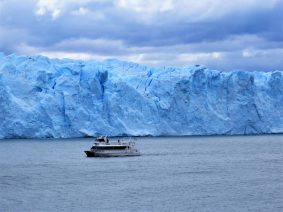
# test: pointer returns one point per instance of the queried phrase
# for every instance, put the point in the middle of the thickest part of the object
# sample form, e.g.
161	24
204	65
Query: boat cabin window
100	139
110	147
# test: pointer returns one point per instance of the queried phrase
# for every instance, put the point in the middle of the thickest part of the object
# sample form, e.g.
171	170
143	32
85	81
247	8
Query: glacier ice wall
42	97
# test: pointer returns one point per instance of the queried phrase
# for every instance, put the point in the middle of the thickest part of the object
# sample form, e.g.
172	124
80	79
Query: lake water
219	173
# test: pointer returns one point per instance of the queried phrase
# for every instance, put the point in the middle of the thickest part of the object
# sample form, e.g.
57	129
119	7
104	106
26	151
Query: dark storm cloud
102	28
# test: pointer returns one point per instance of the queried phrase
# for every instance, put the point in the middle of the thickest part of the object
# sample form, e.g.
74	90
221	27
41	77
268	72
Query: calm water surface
235	173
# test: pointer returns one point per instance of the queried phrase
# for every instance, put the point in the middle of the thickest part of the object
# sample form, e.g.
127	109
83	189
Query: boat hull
110	154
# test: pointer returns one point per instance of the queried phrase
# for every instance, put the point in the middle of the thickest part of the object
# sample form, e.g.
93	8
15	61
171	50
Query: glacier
63	98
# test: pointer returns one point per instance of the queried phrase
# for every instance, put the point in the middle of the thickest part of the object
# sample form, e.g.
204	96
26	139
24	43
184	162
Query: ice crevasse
42	97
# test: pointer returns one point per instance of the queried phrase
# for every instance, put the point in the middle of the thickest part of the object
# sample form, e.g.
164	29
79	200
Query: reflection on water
234	173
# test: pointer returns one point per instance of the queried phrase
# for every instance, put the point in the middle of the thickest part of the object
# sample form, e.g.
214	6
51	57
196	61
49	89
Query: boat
103	148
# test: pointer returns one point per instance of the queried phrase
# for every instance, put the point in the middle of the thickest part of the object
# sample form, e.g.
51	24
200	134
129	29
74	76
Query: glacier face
42	97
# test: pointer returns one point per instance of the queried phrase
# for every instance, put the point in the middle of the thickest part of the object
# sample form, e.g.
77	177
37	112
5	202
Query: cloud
192	10
80	12
48	6
162	32
55	8
146	6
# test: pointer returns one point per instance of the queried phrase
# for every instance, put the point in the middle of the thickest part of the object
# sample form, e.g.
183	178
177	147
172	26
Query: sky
224	35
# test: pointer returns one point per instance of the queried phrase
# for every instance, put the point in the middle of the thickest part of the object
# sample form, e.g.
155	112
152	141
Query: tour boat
103	148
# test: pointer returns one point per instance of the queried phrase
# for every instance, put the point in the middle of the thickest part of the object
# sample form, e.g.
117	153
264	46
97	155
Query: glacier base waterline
52	98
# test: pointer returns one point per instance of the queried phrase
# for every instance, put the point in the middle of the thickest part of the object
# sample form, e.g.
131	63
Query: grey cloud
110	32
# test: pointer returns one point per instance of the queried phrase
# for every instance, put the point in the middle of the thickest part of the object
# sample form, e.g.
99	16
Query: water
240	173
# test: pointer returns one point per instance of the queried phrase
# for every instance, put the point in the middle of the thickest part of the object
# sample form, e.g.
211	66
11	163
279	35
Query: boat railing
123	141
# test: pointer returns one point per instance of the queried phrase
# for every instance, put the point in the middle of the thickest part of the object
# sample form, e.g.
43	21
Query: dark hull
93	154
90	154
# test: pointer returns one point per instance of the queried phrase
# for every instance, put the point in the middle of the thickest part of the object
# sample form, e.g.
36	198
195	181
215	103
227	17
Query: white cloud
48	7
55	8
255	52
166	6
191	9
80	12
72	55
248	53
146	6
24	48
196	57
